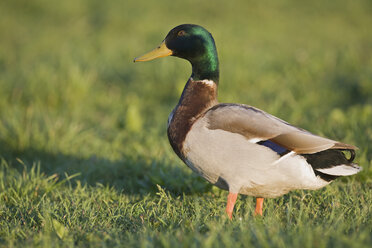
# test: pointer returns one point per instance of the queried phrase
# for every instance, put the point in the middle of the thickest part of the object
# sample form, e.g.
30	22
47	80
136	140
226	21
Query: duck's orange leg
259	205
231	199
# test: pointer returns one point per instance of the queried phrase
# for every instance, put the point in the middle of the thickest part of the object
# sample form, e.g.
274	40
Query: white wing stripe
255	140
284	157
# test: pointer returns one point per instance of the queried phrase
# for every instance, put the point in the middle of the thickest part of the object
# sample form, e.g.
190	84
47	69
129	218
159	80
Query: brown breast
197	97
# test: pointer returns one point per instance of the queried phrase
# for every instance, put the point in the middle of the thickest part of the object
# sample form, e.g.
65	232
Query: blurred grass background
72	101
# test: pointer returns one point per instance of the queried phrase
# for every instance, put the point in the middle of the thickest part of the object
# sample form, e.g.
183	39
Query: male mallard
237	147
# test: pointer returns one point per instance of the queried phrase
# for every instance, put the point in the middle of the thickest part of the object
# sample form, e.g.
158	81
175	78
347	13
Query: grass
84	156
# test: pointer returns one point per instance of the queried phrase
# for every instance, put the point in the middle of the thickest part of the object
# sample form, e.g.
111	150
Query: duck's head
193	43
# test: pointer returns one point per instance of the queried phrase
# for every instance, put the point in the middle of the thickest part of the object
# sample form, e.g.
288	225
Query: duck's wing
259	126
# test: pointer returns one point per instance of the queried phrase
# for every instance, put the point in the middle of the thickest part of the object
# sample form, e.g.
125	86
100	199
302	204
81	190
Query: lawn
84	157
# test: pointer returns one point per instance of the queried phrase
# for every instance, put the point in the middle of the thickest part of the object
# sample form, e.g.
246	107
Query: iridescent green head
193	43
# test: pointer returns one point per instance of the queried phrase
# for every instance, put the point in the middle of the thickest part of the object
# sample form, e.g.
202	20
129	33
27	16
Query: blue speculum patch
273	146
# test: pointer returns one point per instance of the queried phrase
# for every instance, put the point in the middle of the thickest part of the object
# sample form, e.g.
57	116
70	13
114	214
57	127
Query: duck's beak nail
159	52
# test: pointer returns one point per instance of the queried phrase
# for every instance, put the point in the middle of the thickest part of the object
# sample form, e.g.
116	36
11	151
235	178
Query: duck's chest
196	99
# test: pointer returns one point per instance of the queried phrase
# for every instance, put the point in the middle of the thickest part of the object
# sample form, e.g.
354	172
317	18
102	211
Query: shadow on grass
126	175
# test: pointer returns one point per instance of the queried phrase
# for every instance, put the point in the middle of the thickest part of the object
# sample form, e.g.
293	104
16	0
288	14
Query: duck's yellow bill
159	52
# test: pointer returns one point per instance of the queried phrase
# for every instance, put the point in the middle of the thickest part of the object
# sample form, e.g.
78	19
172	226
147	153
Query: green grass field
84	157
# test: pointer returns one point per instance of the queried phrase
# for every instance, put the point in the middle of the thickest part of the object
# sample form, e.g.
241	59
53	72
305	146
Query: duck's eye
181	33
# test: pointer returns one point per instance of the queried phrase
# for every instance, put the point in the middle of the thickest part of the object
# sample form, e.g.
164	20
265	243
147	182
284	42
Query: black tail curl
328	159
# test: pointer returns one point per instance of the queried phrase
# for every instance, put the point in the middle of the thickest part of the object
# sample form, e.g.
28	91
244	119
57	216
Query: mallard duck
240	148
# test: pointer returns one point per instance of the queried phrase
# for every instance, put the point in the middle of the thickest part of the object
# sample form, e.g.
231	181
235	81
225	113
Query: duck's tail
332	163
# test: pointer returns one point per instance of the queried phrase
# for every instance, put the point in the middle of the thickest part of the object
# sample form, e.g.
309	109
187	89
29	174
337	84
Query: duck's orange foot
259	205
231	199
